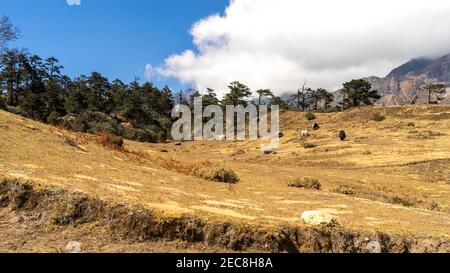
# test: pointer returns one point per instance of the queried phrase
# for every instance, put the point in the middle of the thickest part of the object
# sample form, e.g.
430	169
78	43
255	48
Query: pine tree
118	94
437	89
99	97
8	33
357	92
239	95
262	93
210	98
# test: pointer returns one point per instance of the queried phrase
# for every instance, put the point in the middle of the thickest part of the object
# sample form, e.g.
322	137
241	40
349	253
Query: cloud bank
278	43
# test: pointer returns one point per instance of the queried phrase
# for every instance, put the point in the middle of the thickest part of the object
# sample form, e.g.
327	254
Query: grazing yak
305	133
315	127
342	135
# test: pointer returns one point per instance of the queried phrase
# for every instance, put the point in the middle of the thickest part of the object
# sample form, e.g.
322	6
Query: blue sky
263	44
115	37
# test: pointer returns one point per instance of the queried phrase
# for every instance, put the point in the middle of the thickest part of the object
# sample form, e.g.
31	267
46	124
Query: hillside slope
391	177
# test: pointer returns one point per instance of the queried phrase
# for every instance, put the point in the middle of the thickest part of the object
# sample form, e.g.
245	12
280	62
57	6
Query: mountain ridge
403	84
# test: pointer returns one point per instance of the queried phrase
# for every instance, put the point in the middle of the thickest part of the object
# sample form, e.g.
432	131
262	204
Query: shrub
53	118
218	175
16	110
138	134
310	116
309	145
402	201
76	124
378	117
2	102
307	182
103	127
345	190
434	206
110	141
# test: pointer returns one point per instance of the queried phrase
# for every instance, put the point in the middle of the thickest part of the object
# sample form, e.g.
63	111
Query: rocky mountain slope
404	83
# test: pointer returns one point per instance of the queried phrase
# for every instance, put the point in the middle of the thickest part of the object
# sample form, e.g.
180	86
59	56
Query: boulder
318	218
73	247
373	247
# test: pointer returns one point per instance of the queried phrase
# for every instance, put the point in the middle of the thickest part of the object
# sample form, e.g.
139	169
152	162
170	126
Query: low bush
53	118
103	127
307	182
76	124
345	190
403	201
217	175
377	117
16	110
139	135
110	141
309	145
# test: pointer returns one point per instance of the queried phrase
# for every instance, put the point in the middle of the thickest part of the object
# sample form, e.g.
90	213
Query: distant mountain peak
403	83
412	66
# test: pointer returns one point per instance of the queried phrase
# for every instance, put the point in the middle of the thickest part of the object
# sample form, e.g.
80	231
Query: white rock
318	218
73	247
373	247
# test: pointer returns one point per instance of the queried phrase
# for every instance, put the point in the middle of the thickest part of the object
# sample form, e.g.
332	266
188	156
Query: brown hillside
390	176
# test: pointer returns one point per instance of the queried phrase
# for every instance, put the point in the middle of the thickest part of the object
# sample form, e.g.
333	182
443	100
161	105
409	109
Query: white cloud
278	43
149	72
73	2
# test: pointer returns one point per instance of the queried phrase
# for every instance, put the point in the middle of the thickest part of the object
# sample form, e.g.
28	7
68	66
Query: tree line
36	88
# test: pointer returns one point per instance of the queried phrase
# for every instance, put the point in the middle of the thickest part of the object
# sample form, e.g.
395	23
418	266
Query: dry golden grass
381	178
